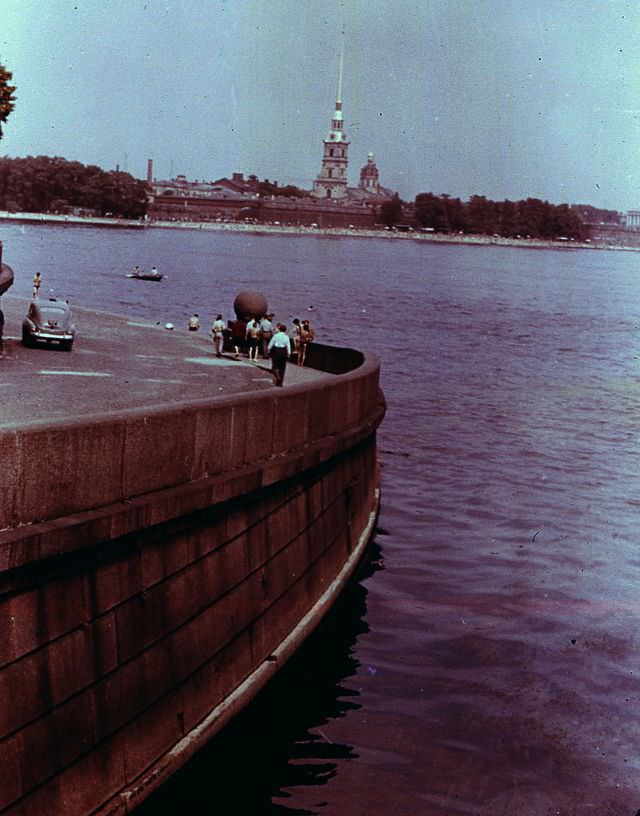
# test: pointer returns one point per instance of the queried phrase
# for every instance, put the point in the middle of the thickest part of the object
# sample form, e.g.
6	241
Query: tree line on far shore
46	184
530	218
57	185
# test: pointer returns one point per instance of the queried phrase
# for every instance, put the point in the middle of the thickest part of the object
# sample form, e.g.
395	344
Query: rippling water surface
487	662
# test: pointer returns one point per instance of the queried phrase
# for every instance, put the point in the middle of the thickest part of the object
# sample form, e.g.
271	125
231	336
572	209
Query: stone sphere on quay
6	277
250	304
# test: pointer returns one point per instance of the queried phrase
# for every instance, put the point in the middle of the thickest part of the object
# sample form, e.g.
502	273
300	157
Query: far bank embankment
613	239
158	564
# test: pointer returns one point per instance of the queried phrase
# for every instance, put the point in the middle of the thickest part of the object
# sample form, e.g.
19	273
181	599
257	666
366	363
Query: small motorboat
153	275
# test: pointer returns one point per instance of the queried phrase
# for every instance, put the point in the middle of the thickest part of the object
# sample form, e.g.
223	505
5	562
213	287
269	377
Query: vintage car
49	321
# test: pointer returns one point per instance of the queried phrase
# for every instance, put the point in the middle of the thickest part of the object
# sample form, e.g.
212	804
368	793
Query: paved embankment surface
119	363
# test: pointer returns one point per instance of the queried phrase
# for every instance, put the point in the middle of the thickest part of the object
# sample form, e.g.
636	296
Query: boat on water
152	275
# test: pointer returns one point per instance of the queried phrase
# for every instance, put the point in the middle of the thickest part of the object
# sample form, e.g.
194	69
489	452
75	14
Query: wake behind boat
152	275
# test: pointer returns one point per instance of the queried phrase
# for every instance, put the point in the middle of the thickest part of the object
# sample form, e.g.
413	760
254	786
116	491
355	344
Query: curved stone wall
155	579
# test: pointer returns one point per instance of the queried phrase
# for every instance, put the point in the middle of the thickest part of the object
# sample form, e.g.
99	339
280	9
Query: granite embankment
172	526
330	232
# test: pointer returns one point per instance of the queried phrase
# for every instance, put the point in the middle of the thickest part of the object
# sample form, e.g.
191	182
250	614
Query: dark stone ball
6	277
250	304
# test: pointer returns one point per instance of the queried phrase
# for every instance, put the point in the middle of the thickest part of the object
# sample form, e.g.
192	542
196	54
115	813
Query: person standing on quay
238	329
266	333
217	331
37	282
280	350
252	337
306	336
295	337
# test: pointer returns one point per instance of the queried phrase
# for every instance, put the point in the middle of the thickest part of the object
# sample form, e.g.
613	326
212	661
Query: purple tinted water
487	662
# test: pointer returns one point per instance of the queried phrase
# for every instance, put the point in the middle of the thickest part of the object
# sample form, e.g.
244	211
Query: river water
487	662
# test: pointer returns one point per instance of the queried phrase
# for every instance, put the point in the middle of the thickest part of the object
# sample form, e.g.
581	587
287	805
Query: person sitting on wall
280	350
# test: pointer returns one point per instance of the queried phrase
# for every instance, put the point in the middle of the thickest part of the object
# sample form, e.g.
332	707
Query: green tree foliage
596	215
391	211
531	218
7	99
45	184
431	211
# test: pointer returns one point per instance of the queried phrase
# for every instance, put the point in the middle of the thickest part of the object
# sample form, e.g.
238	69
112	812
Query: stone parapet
153	583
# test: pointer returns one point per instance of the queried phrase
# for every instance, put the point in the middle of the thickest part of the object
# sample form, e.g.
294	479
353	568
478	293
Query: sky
502	98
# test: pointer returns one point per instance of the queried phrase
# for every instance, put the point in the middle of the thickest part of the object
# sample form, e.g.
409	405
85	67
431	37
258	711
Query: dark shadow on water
269	747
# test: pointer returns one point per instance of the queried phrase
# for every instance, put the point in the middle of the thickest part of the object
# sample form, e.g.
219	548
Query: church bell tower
331	182
370	177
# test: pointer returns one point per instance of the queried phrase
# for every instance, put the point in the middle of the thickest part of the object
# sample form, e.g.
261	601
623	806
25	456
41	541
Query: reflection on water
495	670
278	744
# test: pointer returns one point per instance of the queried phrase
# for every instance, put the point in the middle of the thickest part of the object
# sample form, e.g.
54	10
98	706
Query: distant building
236	186
330	203
370	189
632	219
331	183
370	177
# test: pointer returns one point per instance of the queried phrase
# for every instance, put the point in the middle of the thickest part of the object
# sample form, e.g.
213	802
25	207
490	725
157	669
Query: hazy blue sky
503	98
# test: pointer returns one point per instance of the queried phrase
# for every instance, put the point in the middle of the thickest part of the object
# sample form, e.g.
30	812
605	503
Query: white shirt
280	340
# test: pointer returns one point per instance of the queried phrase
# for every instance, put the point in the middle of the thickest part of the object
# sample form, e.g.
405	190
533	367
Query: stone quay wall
279	209
156	569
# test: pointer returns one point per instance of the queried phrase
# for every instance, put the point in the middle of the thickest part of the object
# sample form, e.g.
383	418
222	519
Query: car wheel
26	338
66	345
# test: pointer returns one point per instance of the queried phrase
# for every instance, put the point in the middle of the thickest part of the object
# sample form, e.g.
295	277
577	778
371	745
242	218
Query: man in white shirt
280	350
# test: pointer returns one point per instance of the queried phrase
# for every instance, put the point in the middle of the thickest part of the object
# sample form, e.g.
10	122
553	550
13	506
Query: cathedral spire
332	180
339	91
336	133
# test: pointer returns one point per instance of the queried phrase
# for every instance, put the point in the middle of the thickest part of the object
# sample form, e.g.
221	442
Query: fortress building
332	180
331	183
330	202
